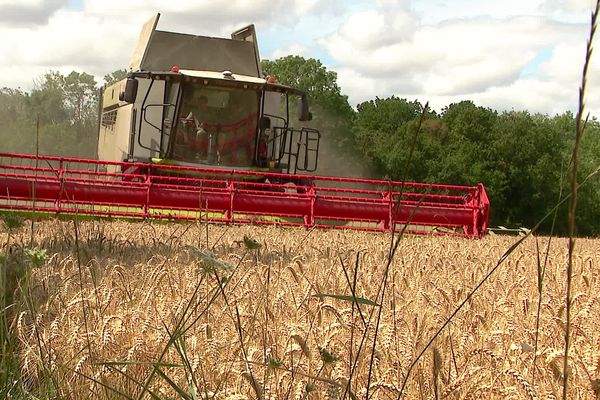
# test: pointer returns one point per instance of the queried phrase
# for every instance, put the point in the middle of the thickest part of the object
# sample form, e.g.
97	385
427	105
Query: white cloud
370	28
510	54
28	12
294	49
304	7
481	58
568	6
206	17
71	40
101	36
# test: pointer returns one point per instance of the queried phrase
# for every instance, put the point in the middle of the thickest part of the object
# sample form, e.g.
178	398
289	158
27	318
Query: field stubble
257	327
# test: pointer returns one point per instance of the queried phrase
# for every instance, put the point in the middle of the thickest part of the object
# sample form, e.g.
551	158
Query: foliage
66	107
332	114
382	130
35	256
115	77
521	158
312	77
12	221
80	97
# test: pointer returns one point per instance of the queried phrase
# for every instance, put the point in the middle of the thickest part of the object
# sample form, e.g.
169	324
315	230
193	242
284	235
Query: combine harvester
196	132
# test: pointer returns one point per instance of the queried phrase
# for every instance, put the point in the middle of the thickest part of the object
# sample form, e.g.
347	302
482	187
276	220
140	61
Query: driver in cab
193	135
218	135
198	112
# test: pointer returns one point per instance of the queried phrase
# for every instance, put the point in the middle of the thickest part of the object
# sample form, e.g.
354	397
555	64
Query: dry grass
138	279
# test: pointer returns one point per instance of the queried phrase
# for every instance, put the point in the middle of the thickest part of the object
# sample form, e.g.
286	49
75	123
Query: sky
506	55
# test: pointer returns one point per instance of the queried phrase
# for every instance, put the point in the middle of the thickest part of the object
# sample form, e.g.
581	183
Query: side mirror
129	94
303	112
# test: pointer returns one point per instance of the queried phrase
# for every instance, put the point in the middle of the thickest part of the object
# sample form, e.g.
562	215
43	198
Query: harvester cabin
198	100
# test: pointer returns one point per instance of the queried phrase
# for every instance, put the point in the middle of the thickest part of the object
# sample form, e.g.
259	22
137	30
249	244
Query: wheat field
195	310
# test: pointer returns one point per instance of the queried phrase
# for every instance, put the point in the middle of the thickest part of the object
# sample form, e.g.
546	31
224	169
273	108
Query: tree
313	78
520	157
383	132
588	197
115	77
529	152
67	107
332	114
81	98
469	121
47	99
13	105
17	121
465	156
66	99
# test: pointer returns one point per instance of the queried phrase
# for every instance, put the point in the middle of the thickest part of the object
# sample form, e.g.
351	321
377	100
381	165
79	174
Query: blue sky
533	68
509	54
75	5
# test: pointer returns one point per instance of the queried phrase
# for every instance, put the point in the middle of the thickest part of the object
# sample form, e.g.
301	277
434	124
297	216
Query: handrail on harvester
61	186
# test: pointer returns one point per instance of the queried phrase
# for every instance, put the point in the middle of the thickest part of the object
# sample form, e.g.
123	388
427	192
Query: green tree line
522	158
59	116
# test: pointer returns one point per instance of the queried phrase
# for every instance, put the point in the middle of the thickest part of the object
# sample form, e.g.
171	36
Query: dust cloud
338	155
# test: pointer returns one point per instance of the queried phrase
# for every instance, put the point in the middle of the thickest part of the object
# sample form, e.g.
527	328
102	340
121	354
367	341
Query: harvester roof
224	78
160	50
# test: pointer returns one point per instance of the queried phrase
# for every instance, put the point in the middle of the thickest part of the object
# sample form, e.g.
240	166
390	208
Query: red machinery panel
60	186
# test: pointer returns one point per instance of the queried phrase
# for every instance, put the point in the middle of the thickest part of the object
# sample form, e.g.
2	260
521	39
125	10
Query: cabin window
217	125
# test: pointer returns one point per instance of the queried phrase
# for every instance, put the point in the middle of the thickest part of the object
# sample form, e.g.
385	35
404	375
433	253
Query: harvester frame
253	169
71	186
